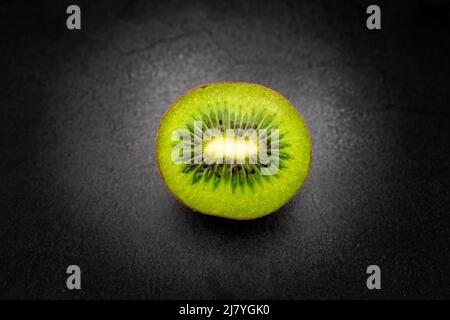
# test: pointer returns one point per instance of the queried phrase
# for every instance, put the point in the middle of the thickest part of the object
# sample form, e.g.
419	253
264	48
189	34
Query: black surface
79	114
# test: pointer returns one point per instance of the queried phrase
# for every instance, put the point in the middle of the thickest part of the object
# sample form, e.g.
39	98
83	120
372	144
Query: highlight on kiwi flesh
234	150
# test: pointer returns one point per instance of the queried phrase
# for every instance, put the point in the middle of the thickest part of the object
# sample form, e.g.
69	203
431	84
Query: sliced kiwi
234	150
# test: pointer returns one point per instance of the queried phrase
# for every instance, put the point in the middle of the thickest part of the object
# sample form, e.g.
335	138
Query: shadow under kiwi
206	225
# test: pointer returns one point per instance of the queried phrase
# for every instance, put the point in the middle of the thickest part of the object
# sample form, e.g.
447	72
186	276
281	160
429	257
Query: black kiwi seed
205	165
234	170
239	167
220	121
252	170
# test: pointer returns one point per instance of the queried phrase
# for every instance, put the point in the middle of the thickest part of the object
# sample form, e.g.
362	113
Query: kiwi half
245	184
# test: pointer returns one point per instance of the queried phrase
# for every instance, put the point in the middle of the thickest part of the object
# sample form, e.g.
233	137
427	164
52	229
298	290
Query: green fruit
209	158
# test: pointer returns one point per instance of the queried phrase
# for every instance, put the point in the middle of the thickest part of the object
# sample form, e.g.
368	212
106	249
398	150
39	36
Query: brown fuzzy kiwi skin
203	86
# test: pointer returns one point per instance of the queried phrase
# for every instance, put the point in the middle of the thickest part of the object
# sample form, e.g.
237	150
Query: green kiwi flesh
238	187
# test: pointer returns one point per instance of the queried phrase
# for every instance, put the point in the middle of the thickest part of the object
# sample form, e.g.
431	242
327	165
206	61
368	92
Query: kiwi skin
203	86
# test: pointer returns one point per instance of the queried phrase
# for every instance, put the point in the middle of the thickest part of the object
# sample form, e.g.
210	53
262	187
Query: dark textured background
79	114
